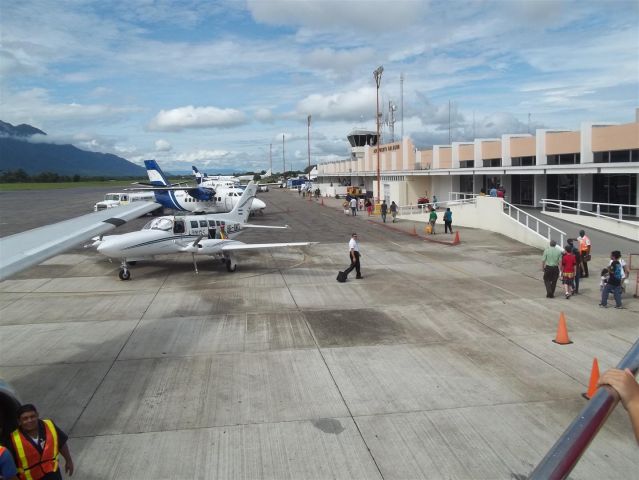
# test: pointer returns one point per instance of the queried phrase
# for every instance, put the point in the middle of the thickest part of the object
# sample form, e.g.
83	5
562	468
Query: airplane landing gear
231	266
124	273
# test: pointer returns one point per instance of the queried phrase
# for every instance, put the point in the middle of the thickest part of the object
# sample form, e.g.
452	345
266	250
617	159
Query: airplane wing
23	250
260	246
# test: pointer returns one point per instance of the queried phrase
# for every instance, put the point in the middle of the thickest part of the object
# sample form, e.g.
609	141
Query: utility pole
529	123
283	159
308	136
270	156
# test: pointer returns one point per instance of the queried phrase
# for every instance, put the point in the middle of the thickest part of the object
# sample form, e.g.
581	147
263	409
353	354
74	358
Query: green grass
115	185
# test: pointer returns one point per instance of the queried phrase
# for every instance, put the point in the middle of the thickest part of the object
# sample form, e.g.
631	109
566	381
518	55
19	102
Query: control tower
359	138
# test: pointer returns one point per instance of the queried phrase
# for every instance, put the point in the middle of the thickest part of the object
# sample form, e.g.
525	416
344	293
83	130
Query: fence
533	223
598	209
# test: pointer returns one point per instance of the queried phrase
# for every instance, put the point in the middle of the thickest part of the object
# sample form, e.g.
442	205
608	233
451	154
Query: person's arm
8	469
68	461
626	386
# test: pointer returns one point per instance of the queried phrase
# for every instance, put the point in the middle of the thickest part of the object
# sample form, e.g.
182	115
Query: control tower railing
566	452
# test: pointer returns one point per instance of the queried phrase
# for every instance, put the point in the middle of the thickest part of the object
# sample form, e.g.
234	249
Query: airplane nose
257	204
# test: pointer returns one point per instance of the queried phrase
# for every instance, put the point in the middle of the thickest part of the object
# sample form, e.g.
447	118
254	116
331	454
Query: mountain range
19	151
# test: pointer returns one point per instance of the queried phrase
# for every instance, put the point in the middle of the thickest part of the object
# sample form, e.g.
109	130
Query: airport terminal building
598	163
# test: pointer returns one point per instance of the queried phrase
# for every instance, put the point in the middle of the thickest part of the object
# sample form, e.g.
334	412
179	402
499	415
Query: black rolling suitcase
341	277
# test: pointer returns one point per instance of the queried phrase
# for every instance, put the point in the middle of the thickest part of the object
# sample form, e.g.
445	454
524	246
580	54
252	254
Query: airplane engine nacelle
9	403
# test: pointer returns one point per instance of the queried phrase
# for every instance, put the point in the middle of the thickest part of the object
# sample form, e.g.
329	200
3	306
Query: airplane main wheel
229	266
124	274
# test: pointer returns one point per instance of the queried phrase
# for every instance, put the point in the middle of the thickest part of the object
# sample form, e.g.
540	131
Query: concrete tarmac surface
438	364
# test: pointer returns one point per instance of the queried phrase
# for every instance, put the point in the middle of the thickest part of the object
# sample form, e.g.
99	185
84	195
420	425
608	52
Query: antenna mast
401	94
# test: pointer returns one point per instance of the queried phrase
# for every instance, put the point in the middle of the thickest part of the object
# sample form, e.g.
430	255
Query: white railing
535	224
461	195
424	207
565	205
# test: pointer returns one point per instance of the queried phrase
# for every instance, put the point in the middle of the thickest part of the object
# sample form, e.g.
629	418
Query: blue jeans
616	291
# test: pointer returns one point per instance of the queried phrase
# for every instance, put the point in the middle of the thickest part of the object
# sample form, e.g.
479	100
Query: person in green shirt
432	218
550	265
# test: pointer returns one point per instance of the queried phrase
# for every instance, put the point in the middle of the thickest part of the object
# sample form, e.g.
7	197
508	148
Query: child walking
568	264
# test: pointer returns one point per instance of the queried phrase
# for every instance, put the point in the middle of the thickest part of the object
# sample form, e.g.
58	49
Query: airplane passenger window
202	223
193	223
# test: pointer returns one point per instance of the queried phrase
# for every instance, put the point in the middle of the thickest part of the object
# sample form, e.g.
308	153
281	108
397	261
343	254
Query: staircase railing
535	224
563	206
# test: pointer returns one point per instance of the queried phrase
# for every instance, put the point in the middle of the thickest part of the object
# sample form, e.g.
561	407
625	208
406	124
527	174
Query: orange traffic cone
414	234
594	379
456	240
322	202
562	331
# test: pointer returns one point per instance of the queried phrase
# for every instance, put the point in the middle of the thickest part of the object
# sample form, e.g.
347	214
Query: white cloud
347	106
162	145
338	14
264	115
178	119
35	107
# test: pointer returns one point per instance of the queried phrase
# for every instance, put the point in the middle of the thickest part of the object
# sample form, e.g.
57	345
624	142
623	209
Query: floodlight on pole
377	75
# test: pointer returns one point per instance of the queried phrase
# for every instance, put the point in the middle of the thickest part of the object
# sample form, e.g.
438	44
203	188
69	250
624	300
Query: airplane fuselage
168	235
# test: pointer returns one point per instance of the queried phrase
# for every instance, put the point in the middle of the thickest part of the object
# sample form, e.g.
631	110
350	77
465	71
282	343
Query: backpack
617	271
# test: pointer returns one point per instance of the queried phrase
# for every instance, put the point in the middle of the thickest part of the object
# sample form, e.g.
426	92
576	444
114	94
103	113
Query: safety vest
31	464
584	244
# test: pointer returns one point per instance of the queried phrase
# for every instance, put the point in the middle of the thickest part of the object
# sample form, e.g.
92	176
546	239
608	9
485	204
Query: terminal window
616	156
523	161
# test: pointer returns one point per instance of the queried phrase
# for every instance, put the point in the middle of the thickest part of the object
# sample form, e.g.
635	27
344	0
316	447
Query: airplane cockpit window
159	224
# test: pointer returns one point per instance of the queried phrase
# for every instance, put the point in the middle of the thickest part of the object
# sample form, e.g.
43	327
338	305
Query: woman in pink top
568	263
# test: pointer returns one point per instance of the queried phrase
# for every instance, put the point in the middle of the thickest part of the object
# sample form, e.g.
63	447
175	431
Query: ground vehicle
123	198
263	188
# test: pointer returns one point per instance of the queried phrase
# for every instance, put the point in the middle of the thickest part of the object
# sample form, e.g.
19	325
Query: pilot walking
353	252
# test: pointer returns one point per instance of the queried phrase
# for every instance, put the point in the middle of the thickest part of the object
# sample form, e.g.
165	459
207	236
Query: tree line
20	176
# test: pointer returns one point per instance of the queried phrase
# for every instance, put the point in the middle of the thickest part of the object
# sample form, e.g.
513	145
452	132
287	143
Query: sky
219	83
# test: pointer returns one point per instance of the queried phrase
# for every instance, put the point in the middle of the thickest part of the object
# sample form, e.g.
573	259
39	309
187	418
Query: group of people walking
571	264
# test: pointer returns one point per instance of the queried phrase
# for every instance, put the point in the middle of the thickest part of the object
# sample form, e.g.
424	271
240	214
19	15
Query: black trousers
551	274
448	226
354	265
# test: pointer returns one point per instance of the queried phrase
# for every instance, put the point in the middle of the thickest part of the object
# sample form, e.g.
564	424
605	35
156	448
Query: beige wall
466	152
615	137
562	142
446	157
490	150
427	158
522	147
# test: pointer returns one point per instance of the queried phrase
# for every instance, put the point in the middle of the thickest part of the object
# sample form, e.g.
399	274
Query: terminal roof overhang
591	168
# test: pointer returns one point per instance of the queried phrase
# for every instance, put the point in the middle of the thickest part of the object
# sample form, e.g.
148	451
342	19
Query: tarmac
438	364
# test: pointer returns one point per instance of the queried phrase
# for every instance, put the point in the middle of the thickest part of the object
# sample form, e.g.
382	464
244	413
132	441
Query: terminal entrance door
522	189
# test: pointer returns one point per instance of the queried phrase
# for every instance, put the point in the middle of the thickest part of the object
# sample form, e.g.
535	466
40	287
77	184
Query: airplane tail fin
155	173
198	175
242	208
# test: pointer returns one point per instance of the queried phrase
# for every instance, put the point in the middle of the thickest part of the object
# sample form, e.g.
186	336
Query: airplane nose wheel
230	266
124	274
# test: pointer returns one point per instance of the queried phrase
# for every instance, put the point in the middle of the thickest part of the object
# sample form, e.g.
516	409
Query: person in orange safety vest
35	445
584	249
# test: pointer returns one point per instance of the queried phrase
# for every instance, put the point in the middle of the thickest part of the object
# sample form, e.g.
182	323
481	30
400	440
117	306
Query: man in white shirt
353	206
353	252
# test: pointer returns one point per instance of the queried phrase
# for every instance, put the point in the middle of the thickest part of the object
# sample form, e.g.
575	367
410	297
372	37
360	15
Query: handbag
588	257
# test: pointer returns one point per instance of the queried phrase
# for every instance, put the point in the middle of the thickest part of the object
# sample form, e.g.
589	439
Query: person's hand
68	467
623	381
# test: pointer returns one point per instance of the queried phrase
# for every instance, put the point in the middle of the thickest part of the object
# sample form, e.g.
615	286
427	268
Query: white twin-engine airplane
199	199
195	234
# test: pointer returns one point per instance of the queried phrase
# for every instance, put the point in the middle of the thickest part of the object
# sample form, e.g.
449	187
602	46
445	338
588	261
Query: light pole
308	136
377	74
283	159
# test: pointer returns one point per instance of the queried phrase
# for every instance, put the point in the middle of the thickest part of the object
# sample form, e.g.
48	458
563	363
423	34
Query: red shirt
568	262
